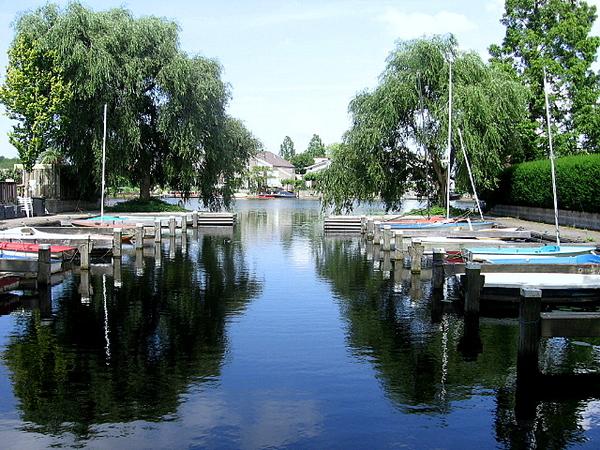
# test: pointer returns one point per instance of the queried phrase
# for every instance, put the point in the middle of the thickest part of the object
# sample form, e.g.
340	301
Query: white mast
103	169
470	174
449	144
551	160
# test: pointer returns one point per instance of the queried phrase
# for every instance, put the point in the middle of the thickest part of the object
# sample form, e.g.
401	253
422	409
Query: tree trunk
145	184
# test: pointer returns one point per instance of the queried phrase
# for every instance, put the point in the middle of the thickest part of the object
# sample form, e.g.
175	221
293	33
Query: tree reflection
135	350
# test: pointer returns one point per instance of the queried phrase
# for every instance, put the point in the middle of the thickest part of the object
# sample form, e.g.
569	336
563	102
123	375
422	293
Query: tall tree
316	148
34	92
554	35
399	133
286	149
166	111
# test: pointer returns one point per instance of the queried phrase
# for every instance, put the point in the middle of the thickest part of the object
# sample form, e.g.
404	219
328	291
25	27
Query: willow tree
554	35
167	123
398	138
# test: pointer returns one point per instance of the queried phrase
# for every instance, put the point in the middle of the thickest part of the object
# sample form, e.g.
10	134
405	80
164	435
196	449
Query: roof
274	160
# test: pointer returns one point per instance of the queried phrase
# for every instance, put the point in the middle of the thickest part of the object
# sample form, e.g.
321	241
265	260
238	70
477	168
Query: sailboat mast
551	159
103	169
462	144
449	144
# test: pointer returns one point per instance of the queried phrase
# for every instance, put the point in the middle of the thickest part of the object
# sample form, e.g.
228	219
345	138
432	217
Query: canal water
271	335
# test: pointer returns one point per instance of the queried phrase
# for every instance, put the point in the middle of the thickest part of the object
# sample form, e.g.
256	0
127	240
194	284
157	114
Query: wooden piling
84	255
377	232
386	238
117	242
438	270
172	225
398	237
416	251
474	284
370	228
363	224
184	224
139	235
529	327
44	265
157	231
195	219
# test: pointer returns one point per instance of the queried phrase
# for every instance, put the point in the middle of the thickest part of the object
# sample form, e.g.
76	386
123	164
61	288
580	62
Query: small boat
451	224
491	254
36	236
31	250
572	260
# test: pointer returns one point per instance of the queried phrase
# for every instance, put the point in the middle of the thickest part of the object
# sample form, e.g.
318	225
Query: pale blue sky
294	66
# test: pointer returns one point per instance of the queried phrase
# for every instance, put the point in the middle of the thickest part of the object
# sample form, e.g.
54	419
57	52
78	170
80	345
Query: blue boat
588	258
523	253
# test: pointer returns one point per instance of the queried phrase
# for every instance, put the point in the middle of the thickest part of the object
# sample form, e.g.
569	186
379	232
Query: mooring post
438	268
84	255
184	223
44	265
399	244
474	284
377	232
139	235
370	228
117	242
363	224
172	224
195	219
528	352
157	230
386	241
416	254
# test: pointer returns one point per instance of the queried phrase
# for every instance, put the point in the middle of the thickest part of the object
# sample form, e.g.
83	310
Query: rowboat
588	258
491	254
34	235
31	250
458	224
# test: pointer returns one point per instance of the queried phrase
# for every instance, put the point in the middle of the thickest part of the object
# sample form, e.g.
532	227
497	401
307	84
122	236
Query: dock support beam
157	231
386	241
44	265
84	255
172	224
117	242
416	251
438	268
139	235
195	219
474	284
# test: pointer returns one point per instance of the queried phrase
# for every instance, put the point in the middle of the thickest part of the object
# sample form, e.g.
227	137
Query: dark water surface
270	336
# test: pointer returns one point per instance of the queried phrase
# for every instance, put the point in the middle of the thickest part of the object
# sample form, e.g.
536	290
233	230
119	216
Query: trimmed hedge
530	184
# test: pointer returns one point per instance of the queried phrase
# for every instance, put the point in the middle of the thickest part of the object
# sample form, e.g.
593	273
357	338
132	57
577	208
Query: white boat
37	236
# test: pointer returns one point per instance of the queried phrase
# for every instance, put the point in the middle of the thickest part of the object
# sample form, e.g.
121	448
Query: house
278	168
319	164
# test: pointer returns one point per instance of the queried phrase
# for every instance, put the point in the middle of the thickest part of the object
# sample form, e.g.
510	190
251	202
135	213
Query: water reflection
126	349
272	335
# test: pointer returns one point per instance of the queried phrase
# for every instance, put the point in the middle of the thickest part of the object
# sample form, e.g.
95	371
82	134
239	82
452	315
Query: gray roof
274	160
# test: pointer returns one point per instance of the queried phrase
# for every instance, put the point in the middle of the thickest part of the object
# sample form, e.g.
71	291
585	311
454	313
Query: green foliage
10	174
286	149
530	184
302	160
34	93
8	163
316	148
399	134
152	204
167	124
553	35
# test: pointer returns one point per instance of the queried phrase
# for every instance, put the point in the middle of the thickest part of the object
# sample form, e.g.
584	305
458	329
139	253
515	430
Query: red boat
31	250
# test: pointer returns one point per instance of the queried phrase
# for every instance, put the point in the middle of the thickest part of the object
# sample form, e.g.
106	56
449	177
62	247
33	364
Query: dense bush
152	205
530	184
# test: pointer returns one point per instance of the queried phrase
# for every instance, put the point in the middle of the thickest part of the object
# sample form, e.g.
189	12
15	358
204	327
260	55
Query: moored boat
64	252
494	254
36	236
